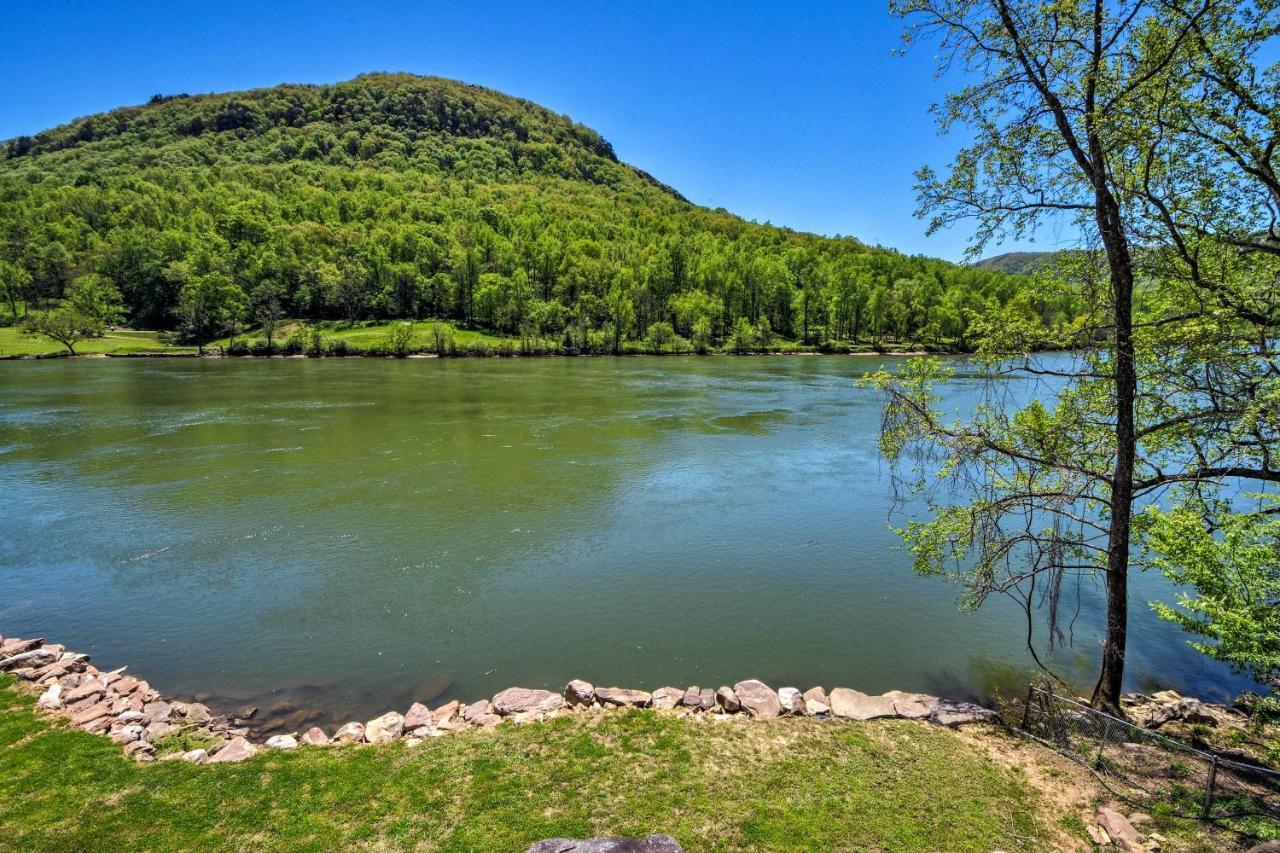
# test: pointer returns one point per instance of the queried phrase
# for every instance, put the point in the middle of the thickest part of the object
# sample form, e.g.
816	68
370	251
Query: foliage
210	305
1232	569
64	324
394	196
1146	126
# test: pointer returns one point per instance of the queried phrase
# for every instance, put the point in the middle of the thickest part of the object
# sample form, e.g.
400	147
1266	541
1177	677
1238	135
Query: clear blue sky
800	116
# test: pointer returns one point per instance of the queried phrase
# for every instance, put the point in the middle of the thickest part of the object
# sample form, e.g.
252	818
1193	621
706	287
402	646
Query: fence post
1209	786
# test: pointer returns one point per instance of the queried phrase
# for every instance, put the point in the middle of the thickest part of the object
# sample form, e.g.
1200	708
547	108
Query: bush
399	339
296	343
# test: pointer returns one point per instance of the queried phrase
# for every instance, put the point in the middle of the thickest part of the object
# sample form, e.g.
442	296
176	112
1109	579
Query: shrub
399	339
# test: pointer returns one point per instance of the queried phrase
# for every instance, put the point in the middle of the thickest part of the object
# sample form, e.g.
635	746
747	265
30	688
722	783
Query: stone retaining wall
132	713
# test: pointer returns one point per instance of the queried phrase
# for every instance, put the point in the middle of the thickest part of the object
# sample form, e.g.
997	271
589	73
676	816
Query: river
350	535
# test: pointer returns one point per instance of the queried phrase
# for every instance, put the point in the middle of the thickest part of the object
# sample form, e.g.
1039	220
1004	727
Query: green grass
779	785
15	342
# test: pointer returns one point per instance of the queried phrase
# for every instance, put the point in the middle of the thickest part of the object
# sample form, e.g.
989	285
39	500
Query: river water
350	535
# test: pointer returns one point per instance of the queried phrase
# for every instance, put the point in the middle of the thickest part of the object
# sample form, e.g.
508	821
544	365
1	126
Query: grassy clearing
15	342
782	785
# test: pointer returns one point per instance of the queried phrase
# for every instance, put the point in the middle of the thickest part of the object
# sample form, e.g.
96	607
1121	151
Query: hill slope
392	195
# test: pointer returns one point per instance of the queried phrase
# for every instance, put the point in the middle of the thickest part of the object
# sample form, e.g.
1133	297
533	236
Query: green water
350	535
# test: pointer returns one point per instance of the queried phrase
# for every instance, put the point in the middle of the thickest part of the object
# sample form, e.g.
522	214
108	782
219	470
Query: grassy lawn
14	341
778	785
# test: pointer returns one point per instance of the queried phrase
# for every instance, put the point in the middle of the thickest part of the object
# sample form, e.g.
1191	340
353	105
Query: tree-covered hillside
393	195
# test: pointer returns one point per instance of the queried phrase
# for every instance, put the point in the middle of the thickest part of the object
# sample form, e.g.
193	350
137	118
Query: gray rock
33	658
692	697
621	697
652	844
1122	833
236	750
954	714
815	702
757	698
912	706
728	700
666	697
196	756
792	701
487	721
384	729
517	700
315	736
579	694
282	742
126	734
855	705
707	699
51	699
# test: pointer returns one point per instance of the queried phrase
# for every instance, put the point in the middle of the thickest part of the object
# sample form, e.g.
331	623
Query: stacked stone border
130	712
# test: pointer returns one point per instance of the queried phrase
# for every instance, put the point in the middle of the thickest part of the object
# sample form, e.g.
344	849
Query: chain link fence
1149	770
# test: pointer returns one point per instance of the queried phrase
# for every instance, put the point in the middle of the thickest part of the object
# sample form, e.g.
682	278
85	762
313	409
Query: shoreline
146	723
217	356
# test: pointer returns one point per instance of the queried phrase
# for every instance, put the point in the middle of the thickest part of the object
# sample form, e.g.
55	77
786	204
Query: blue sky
797	116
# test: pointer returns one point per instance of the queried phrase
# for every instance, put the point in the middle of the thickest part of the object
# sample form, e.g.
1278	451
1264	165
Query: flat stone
488	721
247	712
34	658
954	714
315	736
418	715
51	699
91	713
816	702
791	700
692	697
126	685
139	748
446	712
855	705
157	730
666	697
1122	833
384	729
135	717
757	698
579	694
476	710
158	711
237	749
16	646
127	734
728	700
621	697
195	712
282	742
196	756
912	706
101	724
515	700
652	844
349	733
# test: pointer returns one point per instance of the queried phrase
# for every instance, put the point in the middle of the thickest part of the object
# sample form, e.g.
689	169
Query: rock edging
132	713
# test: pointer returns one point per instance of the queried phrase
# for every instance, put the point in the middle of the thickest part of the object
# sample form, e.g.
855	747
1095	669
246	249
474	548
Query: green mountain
393	195
1018	263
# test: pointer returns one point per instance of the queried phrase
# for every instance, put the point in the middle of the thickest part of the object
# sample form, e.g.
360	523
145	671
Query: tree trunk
1106	694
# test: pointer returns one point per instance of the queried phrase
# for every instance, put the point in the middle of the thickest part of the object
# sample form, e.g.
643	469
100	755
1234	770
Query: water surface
348	535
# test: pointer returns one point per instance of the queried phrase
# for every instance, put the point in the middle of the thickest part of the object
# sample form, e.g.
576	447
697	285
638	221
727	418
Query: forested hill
392	195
